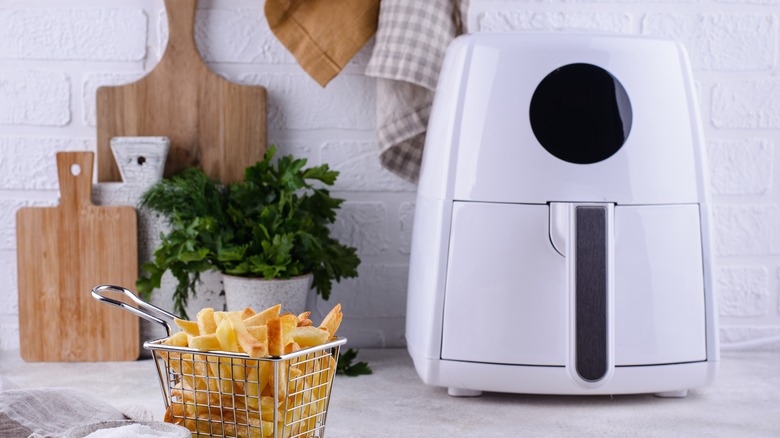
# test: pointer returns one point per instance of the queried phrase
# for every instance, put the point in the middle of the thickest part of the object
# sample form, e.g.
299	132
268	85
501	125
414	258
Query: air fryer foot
459	392
682	393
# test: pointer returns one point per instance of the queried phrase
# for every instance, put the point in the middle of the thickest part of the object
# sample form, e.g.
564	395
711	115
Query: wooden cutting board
214	124
62	253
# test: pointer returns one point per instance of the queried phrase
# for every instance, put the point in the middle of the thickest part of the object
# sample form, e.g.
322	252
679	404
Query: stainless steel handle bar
145	310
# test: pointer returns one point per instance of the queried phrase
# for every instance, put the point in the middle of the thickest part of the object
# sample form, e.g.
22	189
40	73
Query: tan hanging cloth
323	35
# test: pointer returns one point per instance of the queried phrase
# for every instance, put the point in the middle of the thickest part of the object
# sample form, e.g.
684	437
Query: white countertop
393	402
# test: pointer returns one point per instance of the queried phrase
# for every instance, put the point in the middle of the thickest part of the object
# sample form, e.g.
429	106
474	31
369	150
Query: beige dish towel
322	35
410	44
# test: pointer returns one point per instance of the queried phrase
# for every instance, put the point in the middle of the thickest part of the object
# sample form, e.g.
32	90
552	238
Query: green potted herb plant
272	227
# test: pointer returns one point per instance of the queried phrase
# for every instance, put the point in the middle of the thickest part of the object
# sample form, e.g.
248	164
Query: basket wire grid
223	394
217	393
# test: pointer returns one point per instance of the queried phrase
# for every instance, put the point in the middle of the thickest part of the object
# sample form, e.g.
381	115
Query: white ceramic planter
260	294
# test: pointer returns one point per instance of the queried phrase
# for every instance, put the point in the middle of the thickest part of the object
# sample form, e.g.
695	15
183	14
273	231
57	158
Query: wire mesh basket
223	394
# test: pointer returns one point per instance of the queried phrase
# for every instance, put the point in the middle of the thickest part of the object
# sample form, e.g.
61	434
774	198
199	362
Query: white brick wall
747	229
73	34
720	42
507	21
31	97
348	101
53	56
744	291
746	103
741	167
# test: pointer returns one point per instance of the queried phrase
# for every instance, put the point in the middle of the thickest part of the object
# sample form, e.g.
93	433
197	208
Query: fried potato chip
332	320
310	336
251	345
303	319
206	323
275	337
256	379
289	322
280	385
267	409
263	317
205	342
292	347
177	340
246	313
260	332
189	327
227	336
219	316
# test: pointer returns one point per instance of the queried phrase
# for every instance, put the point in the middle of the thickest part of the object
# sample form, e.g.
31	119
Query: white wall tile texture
746	103
741	167
32	97
54	56
506	21
720	42
56	33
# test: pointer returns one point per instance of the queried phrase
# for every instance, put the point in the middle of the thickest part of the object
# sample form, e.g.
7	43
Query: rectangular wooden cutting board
213	124
62	253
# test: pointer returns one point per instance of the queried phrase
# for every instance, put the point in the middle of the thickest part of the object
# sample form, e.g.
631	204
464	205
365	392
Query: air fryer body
561	235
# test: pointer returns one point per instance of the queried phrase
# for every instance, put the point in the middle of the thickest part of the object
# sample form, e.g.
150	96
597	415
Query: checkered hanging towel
410	44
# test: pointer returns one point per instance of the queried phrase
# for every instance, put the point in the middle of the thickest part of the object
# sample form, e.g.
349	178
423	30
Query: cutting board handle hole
141	160
75	170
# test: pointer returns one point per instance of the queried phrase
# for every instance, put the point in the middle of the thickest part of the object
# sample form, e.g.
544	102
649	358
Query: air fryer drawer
659	286
506	299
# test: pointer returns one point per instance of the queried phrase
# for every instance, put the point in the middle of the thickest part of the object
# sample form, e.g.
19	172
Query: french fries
189	327
275	338
310	336
251	345
205	342
226	336
303	319
263	317
243	397
332	320
206	323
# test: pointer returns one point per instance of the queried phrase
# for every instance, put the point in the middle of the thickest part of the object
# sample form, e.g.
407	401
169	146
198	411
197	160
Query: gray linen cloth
410	43
51	412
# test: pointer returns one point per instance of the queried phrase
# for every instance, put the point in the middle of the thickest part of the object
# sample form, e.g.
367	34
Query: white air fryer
561	236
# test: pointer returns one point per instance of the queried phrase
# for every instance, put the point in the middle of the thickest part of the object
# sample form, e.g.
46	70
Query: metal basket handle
146	311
